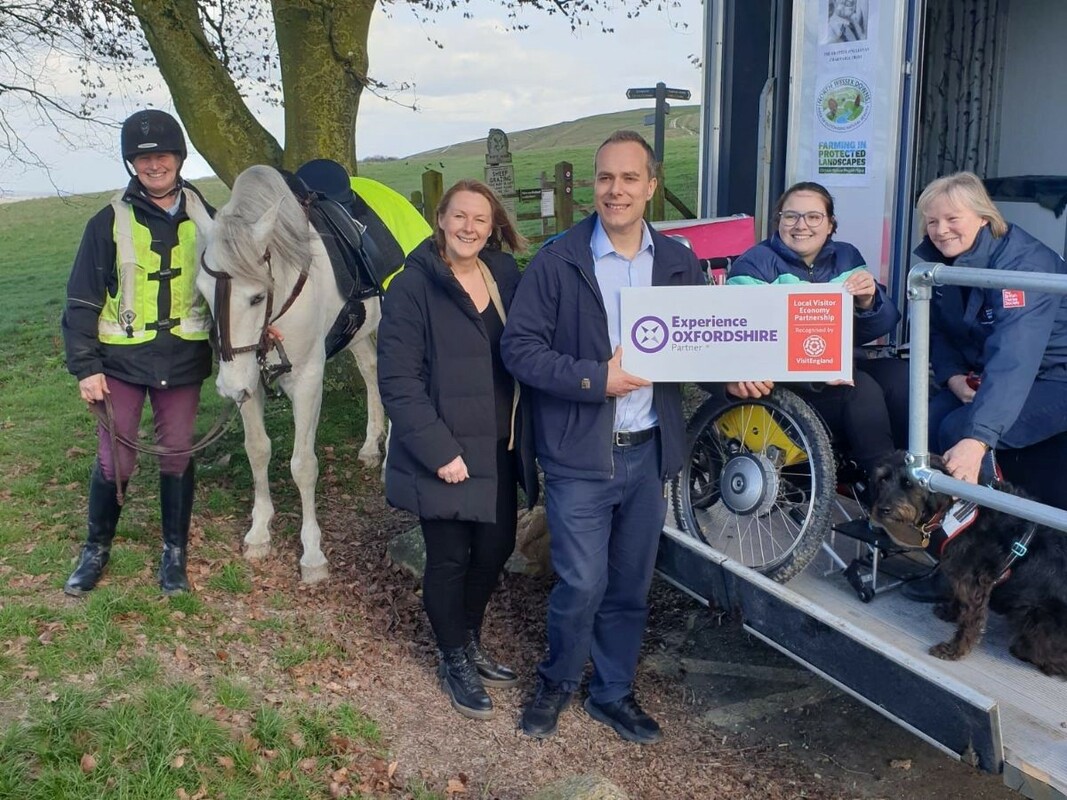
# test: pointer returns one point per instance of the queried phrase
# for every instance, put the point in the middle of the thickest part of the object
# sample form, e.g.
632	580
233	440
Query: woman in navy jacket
454	439
870	415
999	355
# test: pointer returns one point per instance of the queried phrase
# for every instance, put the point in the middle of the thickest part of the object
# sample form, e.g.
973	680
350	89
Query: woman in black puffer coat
455	446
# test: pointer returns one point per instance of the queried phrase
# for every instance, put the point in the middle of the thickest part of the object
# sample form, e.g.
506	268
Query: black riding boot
104	512
460	681
492	672
176	508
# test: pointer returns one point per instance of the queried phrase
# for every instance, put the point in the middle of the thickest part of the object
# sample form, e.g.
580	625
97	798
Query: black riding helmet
151	131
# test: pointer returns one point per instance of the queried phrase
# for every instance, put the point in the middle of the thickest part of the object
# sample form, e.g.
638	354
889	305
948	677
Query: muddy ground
741	720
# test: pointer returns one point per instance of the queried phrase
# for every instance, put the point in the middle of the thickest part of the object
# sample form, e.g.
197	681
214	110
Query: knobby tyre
758	481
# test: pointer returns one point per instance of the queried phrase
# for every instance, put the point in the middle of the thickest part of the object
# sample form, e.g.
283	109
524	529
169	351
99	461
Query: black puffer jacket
435	374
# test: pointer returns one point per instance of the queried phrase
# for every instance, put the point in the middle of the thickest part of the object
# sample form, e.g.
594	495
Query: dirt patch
740	720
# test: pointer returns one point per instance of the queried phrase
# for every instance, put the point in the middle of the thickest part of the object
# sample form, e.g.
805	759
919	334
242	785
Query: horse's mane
255	192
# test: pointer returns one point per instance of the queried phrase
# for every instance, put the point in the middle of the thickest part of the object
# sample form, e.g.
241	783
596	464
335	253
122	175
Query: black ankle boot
933	587
176	509
104	510
492	672
460	681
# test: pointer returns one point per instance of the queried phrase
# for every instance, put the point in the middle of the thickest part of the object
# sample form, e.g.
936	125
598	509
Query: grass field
98	697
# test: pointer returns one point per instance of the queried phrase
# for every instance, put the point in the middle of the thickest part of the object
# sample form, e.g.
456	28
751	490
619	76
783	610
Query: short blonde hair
965	189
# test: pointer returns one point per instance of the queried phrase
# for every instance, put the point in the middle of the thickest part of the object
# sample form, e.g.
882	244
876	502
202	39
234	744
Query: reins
105	413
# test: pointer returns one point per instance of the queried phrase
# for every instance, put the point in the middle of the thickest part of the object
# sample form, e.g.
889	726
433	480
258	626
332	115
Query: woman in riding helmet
134	325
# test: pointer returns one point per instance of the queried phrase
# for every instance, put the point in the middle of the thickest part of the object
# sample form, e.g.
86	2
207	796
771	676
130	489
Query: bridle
268	338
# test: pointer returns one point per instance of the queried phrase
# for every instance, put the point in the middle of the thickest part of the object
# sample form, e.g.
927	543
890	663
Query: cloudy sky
484	77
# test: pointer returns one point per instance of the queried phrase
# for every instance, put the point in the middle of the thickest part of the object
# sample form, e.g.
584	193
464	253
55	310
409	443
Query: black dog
1032	593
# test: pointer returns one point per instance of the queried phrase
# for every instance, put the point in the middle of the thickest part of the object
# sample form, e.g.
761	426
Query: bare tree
310	55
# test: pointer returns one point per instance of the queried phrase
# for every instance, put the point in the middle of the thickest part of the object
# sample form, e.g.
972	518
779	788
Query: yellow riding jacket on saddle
397	214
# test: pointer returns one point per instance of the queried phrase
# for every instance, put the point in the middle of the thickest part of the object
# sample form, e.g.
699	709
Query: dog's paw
946	651
949	612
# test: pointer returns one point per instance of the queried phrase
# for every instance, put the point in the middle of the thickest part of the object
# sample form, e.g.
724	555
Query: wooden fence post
564	196
416	200
433	187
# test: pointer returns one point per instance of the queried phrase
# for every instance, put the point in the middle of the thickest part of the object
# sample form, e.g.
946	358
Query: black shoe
90	569
930	588
460	681
492	672
540	718
627	718
103	518
176	508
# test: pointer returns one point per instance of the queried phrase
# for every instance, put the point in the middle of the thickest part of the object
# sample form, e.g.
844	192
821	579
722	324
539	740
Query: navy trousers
604	535
1044	414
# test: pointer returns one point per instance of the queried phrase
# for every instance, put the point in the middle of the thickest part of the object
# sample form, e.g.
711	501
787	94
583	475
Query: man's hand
749	389
93	388
455	471
958	385
964	459
621	382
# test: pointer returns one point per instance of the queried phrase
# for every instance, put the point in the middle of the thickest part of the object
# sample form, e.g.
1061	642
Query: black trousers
464	560
870	418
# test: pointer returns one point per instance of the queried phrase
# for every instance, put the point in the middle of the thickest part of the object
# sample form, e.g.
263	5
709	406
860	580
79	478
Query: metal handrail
921	280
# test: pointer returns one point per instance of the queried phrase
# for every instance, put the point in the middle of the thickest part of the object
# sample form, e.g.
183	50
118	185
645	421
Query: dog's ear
937	462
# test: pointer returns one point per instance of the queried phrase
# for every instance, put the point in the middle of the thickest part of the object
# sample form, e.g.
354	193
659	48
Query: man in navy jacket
608	441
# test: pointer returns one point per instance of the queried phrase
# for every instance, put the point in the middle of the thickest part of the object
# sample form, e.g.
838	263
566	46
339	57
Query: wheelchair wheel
758	482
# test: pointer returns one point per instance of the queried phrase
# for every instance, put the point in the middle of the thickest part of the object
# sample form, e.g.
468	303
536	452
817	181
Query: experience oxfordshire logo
650	334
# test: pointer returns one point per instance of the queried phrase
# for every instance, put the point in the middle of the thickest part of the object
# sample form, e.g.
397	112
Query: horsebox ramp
989	709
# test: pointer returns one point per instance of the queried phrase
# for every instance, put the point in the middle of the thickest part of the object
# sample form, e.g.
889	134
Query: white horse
259	245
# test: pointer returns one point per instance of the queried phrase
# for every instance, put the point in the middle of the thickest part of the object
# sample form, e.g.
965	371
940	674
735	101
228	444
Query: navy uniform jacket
771	261
1010	337
556	342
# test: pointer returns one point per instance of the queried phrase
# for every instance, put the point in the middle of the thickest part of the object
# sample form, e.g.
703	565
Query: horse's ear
937	462
264	228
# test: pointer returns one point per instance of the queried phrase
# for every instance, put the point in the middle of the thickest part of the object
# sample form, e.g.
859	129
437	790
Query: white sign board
799	332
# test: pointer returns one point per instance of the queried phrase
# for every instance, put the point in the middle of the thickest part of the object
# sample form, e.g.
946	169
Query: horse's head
251	253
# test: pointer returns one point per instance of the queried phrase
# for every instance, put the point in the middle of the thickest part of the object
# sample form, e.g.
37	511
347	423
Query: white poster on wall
844	113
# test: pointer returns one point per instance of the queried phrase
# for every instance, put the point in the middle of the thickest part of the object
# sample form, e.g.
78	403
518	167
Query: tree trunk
323	51
218	122
322	47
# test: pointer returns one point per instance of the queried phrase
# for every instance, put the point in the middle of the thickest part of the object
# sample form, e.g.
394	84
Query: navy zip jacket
1010	337
556	342
435	374
771	261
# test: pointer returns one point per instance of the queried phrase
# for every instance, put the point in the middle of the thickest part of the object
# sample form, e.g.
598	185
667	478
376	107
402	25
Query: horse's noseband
267	339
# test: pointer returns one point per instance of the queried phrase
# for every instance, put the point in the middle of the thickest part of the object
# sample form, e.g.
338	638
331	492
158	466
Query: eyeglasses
812	218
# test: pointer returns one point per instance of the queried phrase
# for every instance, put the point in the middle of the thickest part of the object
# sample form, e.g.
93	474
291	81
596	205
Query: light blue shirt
634	412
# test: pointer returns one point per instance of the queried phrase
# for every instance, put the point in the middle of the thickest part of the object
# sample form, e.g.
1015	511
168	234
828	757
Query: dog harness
949	523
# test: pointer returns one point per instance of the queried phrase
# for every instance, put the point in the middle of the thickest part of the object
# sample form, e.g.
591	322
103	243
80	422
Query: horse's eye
259	298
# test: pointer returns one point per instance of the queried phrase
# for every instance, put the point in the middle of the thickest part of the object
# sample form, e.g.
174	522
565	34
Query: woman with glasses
869	415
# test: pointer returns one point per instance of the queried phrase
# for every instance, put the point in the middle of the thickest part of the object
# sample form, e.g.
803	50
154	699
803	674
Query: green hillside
683	122
535	150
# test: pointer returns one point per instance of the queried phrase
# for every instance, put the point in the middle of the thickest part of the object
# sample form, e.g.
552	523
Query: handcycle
761	483
762	479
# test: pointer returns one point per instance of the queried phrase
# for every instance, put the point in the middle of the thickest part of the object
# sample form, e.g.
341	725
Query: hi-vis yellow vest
131	316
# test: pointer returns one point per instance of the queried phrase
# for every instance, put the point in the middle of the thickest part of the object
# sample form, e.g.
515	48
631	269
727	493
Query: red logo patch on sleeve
1013	298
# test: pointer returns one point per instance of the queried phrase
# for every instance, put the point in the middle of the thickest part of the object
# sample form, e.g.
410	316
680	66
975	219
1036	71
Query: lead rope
106	417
